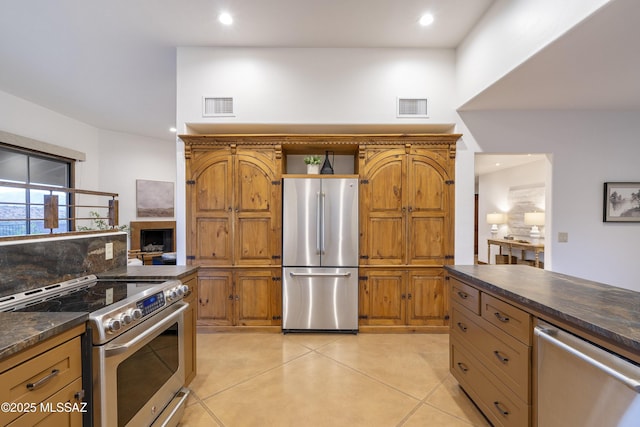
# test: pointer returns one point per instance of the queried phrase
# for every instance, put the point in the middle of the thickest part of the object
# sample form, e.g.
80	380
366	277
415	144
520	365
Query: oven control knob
136	313
126	318
184	289
113	325
171	294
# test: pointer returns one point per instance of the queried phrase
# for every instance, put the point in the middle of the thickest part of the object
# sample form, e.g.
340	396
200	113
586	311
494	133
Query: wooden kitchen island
494	311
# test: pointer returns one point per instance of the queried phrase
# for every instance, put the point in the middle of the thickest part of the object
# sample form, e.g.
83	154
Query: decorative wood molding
289	142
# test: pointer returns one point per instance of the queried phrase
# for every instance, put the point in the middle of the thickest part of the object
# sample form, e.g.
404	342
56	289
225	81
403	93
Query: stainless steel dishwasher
582	385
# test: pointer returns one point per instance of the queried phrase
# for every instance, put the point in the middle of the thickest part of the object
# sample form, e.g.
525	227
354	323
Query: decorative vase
327	169
313	169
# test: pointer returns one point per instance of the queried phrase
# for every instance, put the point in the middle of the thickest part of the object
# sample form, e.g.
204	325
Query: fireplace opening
159	240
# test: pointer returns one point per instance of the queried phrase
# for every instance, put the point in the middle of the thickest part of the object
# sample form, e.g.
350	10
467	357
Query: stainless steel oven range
137	345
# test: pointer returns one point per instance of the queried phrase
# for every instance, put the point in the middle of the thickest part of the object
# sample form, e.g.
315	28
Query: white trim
43	147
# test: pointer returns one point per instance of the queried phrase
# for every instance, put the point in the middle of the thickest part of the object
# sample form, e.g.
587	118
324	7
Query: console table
517	245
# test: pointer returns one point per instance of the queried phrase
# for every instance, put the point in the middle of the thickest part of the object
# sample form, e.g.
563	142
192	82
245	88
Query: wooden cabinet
240	297
397	297
406	223
233	207
406	211
44	376
490	354
190	318
234	222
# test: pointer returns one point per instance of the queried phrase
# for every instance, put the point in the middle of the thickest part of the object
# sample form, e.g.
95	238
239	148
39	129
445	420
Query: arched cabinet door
429	213
257	205
382	208
210	209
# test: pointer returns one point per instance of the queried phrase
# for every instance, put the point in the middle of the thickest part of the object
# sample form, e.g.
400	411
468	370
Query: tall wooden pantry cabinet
233	220
234	187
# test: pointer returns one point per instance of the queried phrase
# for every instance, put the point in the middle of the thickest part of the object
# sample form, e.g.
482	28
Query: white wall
26	119
493	196
310	86
113	160
589	148
511	32
125	158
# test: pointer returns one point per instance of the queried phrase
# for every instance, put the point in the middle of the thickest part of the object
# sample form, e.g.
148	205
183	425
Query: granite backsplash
31	264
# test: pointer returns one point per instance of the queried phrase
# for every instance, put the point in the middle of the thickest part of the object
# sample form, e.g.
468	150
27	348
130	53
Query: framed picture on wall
154	199
621	202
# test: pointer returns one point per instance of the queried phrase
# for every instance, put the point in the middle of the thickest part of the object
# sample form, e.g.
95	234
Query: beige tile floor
326	380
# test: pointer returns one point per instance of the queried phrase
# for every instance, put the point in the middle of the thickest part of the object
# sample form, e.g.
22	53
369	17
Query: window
22	210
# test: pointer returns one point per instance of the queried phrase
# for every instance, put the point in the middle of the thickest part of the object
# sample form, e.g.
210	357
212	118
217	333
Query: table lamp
534	219
494	219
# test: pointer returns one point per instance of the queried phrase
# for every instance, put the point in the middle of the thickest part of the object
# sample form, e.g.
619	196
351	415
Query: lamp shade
534	218
496	218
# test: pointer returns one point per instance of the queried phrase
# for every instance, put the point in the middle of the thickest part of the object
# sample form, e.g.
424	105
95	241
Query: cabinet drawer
494	400
466	295
50	414
508	318
507	358
38	378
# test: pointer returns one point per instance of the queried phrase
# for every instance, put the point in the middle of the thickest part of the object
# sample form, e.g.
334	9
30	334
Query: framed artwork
154	199
621	202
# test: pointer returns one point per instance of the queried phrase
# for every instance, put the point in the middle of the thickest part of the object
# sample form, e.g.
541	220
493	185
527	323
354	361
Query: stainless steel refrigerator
320	254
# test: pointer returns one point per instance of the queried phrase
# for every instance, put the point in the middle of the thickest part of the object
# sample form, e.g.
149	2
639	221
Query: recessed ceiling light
173	130
426	19
225	18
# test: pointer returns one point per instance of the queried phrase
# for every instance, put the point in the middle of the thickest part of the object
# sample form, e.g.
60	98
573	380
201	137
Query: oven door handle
116	349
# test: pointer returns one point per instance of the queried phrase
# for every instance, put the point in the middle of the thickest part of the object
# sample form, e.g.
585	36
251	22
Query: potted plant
313	164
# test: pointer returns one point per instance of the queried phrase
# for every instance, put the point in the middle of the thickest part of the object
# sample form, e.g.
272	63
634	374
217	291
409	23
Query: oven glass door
143	370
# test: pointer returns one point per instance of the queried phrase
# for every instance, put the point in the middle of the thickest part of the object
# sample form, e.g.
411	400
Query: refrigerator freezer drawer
320	299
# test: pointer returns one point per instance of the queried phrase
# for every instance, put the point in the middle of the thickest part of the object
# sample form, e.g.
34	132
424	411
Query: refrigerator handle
318	223
322	247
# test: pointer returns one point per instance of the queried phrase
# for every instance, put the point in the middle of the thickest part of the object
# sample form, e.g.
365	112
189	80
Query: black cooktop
93	298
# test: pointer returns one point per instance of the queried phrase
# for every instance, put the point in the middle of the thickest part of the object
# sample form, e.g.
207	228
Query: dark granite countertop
148	272
609	313
23	330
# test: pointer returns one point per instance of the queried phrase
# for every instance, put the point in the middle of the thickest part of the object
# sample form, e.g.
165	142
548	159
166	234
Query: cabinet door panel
215	298
427	298
213	241
427	240
428	186
386	245
253	186
213	187
254	237
386	302
254	291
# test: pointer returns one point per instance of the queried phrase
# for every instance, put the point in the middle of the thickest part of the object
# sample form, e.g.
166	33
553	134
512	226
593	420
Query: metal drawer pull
463	367
292	274
463	295
501	358
501	318
499	408
462	327
42	381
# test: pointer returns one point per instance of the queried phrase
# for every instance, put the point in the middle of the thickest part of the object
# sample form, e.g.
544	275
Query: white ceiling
112	64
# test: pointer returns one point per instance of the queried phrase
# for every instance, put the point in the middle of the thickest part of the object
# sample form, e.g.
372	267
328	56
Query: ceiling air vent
217	106
412	107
